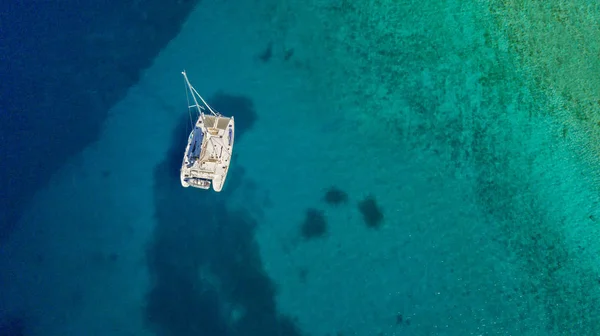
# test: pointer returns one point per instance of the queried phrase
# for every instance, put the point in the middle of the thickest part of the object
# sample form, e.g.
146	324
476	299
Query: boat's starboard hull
219	180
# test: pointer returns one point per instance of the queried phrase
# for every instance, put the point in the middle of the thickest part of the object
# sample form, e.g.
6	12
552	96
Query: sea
400	168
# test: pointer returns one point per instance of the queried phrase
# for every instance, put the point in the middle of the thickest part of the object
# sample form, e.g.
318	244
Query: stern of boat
196	183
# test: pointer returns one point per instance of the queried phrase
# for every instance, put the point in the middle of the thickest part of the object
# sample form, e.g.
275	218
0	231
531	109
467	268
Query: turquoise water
476	142
446	83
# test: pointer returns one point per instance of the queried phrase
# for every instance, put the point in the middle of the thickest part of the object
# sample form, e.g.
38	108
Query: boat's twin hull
211	166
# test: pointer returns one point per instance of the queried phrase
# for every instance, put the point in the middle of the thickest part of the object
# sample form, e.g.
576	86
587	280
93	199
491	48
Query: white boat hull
208	153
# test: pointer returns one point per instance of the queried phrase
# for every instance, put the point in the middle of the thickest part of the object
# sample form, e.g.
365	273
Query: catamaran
209	147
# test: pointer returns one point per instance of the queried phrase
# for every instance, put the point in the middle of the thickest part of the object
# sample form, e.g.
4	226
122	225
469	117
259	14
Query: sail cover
196	145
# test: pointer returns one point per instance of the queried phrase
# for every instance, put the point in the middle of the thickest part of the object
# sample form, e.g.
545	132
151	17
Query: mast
195	93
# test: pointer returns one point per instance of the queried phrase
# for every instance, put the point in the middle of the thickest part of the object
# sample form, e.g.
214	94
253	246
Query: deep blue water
63	65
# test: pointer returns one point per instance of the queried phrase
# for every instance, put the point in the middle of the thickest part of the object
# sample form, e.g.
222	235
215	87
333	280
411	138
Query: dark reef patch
207	273
314	224
335	196
113	257
266	54
288	54
371	213
303	274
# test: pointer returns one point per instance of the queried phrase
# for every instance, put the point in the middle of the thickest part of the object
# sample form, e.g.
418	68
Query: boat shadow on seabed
205	265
